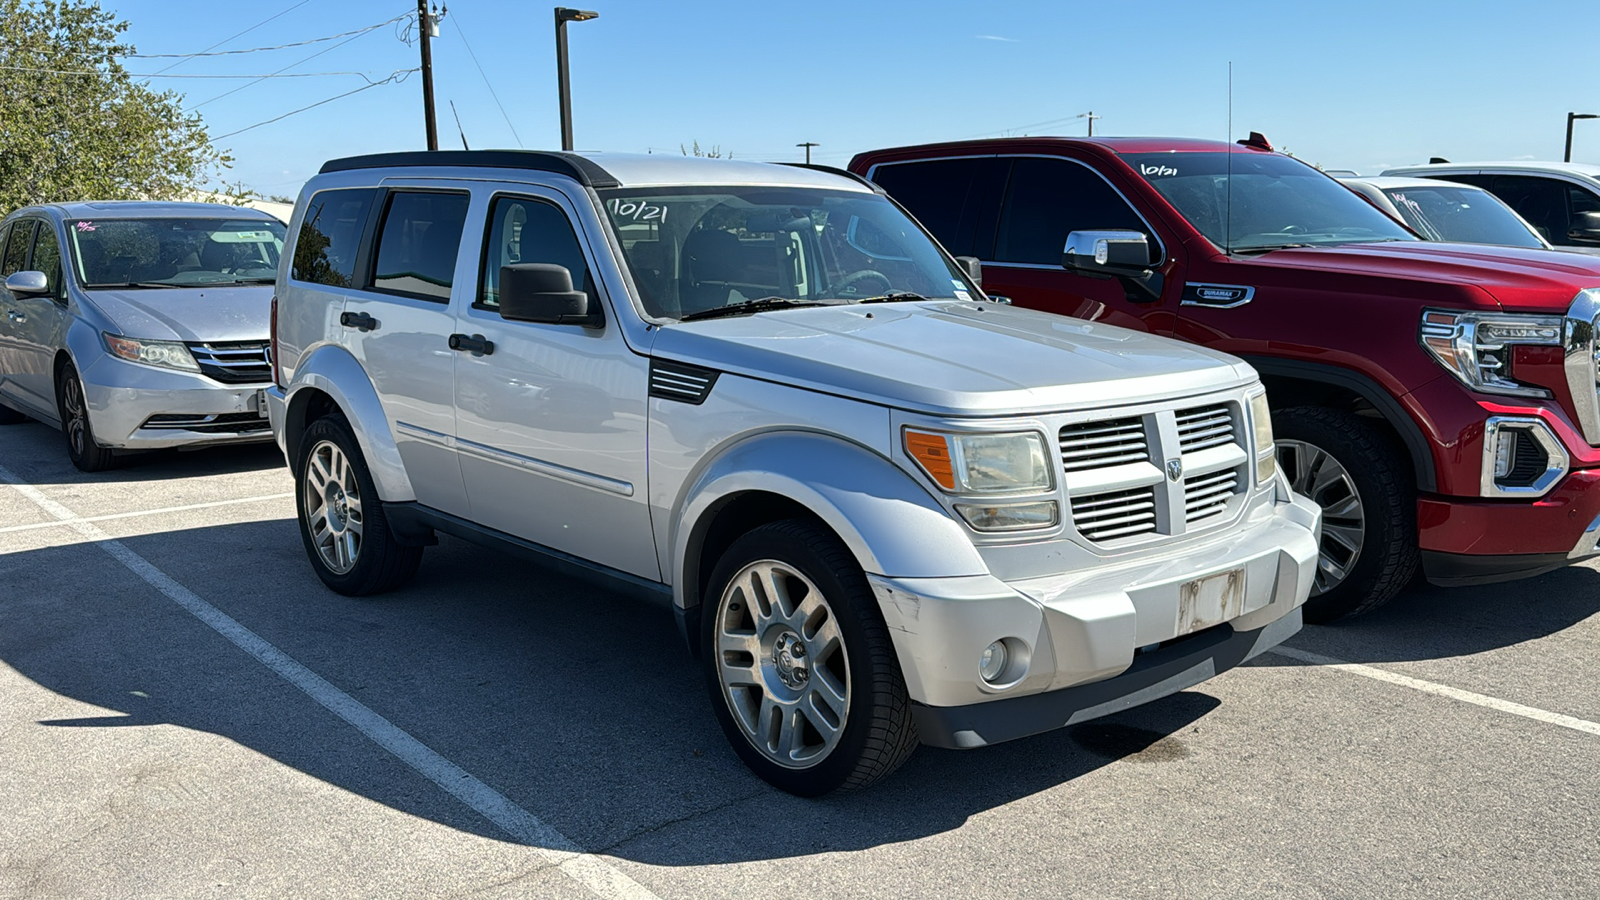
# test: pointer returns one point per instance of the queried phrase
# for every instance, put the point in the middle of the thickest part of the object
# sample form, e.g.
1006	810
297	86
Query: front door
551	418
41	325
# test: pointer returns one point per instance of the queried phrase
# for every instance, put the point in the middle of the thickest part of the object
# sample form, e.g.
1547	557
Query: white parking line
593	872
1441	690
145	512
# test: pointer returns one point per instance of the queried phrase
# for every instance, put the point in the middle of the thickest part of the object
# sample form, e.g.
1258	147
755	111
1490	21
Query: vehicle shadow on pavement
42	460
1427	622
579	705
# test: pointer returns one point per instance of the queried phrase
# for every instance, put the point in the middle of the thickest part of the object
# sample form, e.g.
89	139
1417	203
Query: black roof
572	165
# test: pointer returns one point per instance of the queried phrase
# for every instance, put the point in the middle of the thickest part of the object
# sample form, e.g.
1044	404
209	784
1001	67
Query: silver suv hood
187	314
953	358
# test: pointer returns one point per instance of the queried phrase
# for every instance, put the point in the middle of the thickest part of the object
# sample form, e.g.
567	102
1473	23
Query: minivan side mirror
1585	228
973	267
541	292
1108	252
28	283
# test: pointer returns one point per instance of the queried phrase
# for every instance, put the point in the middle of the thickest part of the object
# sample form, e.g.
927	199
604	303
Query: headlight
1476	347
1262	443
1013	463
167	354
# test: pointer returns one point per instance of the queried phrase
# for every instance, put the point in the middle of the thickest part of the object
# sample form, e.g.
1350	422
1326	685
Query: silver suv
883	508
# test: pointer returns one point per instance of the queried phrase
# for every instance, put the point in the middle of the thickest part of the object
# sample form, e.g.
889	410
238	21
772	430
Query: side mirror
28	283
1585	228
541	292
973	267
1107	252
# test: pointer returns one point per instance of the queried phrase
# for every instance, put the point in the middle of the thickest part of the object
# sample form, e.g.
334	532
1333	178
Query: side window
1049	198
47	257
418	243
325	251
523	230
940	193
1542	201
17	248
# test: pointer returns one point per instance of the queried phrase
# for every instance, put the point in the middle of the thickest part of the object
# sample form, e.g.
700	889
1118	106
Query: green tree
74	125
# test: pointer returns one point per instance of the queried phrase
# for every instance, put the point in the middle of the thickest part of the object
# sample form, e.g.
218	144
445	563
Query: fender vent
681	382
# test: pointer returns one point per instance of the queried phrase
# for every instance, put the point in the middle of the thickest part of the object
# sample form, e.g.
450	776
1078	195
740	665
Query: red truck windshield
1274	202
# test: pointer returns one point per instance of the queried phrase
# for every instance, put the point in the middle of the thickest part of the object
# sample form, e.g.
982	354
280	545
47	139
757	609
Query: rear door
40	324
19	326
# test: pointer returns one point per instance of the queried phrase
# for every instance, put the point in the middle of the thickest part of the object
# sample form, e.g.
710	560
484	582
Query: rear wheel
342	524
81	447
802	673
1364	486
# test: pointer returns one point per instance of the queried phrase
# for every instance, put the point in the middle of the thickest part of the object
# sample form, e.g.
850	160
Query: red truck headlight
1476	347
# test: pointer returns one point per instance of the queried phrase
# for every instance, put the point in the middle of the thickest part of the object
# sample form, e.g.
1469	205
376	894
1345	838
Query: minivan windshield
696	249
1275	201
175	252
1469	215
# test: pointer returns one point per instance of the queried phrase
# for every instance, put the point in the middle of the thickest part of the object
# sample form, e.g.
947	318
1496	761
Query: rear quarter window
330	235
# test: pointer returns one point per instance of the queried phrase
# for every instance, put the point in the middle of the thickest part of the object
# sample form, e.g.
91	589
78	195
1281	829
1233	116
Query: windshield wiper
746	307
132	284
893	297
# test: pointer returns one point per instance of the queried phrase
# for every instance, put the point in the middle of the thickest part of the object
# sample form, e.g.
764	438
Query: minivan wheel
1369	507
801	670
341	518
87	455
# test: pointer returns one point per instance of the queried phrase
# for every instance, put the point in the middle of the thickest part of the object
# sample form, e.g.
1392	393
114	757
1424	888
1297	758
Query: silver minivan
885	510
137	325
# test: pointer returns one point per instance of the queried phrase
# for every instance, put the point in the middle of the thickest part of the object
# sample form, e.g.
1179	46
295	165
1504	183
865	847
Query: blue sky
1354	85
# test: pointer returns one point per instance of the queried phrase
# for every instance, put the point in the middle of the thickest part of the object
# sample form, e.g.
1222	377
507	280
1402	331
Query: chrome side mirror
1107	252
28	283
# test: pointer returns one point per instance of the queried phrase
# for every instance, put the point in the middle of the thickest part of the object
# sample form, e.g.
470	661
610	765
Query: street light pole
808	145
563	16
1567	157
424	27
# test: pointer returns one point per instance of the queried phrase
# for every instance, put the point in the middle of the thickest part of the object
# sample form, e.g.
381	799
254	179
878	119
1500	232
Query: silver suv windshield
1275	201
1464	214
692	250
174	252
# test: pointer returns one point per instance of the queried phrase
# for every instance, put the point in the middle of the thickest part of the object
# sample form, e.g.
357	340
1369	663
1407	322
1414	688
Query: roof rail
576	167
833	170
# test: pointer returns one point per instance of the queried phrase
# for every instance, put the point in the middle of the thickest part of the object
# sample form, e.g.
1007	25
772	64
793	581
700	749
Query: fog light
1505	451
993	662
1010	516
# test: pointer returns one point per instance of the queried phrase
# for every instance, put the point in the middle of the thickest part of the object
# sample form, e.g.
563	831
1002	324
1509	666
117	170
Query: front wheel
87	455
1369	507
800	666
342	524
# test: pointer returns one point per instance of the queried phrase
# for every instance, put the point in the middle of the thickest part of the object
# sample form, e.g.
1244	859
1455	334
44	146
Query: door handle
360	321
476	344
15	316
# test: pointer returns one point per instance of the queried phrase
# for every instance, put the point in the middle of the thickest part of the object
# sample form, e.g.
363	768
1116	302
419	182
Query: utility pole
1091	117
1567	157
563	85
424	28
808	145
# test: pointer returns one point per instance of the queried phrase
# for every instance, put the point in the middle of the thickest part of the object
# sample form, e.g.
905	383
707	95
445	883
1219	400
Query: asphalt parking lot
186	712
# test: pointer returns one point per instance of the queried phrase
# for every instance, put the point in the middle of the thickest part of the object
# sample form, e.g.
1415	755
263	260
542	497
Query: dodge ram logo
1174	469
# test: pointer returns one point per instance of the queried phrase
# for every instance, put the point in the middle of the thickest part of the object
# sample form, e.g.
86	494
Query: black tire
876	734
82	449
1386	489
9	416
379	563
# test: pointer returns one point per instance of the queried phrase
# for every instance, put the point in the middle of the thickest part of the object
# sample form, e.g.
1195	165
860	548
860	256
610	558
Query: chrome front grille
1096	445
233	362
1167	472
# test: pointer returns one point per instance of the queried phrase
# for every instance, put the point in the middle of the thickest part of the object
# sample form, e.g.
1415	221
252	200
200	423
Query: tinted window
47	258
325	252
1542	201
1048	198
938	193
531	231
1449	213
17	249
418	243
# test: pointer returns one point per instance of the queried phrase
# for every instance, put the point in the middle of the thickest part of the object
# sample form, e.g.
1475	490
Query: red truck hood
1519	279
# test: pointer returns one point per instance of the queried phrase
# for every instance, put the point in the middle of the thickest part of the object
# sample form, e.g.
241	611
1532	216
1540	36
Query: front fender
331	369
889	522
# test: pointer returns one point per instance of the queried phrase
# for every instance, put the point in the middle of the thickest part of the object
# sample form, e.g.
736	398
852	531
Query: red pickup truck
1439	401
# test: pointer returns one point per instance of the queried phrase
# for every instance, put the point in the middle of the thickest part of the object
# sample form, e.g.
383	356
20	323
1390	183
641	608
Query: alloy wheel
782	665
77	414
333	507
1312	471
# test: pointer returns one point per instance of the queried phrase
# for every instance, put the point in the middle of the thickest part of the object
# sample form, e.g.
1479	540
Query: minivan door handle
476	344
360	321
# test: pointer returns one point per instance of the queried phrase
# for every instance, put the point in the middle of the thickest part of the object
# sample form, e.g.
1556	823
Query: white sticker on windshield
963	295
241	237
637	210
1156	169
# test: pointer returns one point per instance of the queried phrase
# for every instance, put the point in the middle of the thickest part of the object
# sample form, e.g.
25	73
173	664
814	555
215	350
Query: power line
279	72
241	34
207	52
485	76
399	75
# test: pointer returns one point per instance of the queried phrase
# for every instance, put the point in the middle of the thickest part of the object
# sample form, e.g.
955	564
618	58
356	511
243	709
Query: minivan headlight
1476	347
1009	463
166	354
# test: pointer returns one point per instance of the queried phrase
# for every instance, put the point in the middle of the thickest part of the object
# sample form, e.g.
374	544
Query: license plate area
1211	600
